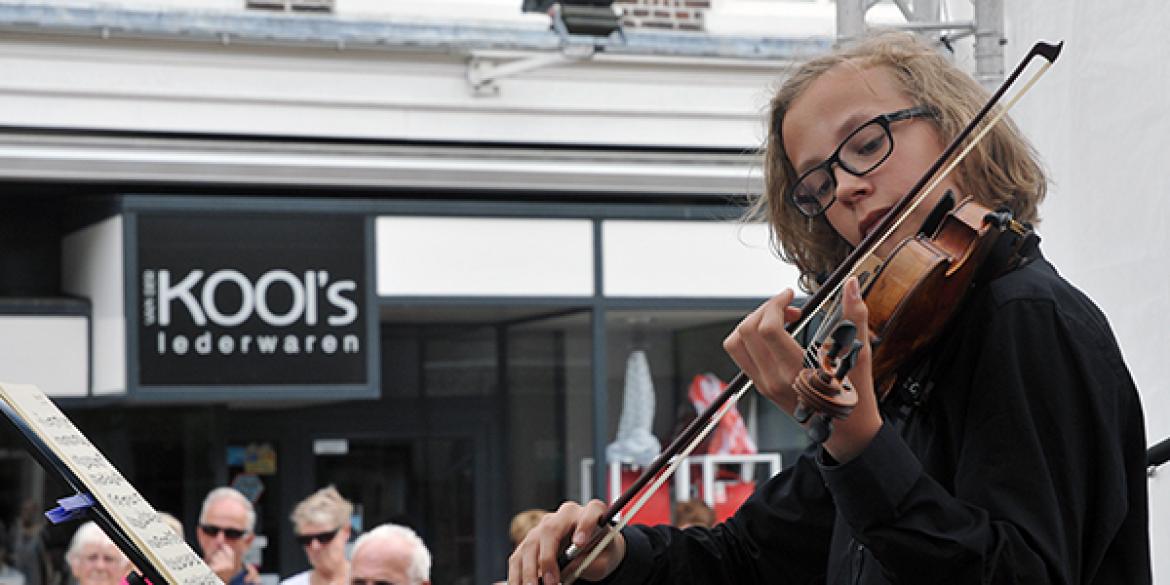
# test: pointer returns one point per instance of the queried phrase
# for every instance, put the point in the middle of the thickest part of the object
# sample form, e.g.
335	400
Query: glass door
425	483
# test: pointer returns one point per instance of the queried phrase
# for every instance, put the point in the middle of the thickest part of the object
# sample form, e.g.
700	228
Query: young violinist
1011	451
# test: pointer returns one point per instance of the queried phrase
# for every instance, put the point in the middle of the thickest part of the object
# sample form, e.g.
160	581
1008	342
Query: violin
911	296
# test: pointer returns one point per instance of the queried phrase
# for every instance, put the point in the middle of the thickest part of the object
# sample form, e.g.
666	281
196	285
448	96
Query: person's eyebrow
849	124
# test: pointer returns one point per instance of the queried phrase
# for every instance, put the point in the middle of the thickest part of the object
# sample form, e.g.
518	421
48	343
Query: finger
791	314
736	343
854	309
514	567
589	521
775	352
528	550
590	529
556	527
746	333
774	318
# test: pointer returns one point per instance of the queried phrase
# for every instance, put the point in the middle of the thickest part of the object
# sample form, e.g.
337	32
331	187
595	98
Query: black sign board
251	300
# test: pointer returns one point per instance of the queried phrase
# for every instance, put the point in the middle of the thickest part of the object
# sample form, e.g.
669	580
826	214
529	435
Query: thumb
854	309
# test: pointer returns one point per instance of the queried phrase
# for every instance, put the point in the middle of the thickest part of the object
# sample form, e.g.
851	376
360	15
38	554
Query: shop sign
251	300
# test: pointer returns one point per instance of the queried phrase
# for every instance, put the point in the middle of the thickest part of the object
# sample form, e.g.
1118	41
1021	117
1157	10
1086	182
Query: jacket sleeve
779	535
1037	489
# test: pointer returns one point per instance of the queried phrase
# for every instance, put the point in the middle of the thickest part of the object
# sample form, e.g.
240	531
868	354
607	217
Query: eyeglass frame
212	531
322	537
883	120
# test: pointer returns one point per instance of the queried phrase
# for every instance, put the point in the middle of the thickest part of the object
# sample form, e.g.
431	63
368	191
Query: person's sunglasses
228	533
321	537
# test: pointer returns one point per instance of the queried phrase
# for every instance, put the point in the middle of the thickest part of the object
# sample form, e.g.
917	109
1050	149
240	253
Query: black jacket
1020	458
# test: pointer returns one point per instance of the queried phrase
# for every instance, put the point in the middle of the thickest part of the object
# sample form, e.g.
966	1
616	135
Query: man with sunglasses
226	525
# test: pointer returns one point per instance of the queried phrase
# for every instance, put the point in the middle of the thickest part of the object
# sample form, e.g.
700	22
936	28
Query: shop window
460	361
679	354
549	408
427	484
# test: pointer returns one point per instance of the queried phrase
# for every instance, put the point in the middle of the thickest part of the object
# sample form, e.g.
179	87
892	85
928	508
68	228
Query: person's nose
850	187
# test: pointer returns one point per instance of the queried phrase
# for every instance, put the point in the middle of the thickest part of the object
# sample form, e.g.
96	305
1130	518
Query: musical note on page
168	553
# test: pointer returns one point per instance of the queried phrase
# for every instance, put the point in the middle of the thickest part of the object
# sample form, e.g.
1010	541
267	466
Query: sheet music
170	554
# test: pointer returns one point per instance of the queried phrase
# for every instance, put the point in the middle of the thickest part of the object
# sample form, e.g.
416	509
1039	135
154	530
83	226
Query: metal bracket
482	72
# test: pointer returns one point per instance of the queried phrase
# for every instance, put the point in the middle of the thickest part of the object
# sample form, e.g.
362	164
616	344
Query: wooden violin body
918	289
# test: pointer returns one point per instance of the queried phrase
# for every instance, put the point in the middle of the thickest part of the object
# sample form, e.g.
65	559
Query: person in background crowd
693	513
8	574
29	555
322	526
524	521
390	554
226	525
94	559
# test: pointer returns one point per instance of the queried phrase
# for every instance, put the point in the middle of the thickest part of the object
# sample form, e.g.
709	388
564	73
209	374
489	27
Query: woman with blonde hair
321	523
1012	450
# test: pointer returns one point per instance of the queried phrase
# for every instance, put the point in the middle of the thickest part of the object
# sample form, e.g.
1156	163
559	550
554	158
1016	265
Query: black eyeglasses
321	537
228	533
864	150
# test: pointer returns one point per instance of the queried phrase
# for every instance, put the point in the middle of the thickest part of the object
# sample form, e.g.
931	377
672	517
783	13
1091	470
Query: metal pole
600	371
850	20
989	42
926	11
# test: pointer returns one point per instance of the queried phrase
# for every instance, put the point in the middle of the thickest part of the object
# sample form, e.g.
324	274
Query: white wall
50	352
1098	119
202	87
91	268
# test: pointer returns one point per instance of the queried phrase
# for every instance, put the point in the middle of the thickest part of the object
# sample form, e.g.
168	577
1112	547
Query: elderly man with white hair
390	554
226	525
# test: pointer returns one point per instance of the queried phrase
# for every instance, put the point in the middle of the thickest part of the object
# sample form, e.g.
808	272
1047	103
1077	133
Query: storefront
444	363
286	260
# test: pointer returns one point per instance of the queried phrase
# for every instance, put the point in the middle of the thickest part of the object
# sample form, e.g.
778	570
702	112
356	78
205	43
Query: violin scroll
822	393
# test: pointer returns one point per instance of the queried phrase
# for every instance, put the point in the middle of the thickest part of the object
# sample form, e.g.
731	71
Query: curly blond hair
1002	171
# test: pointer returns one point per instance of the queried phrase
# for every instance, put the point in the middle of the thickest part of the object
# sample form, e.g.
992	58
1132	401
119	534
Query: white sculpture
635	442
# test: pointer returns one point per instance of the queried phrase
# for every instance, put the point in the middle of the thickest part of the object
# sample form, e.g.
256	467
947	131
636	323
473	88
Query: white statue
635	442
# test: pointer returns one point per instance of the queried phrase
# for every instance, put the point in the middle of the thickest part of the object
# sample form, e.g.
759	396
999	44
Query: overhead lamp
595	18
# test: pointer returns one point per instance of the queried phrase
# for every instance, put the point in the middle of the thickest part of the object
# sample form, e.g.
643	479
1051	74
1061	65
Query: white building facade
448	225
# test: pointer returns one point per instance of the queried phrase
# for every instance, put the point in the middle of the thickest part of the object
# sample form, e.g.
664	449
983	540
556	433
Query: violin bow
685	443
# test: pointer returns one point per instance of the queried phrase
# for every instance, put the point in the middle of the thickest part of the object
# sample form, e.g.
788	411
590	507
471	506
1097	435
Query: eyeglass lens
321	537
861	153
228	533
